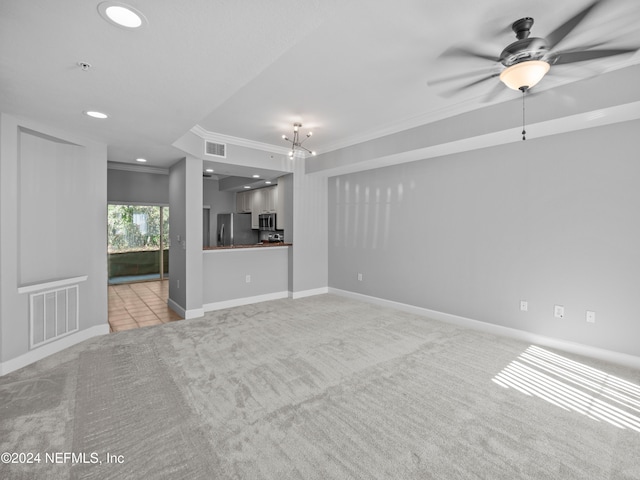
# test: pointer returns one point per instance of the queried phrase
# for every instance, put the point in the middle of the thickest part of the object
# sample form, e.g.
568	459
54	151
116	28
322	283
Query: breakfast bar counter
244	274
255	245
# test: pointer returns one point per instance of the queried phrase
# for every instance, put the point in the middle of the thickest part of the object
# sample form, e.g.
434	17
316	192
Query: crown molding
431	116
241	142
137	168
591	119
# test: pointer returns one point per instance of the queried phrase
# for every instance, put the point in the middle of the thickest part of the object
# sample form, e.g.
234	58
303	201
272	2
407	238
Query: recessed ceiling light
256	176
121	14
96	114
247	186
141	160
209	170
268	182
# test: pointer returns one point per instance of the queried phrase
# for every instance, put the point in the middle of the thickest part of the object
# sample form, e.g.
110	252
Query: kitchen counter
255	245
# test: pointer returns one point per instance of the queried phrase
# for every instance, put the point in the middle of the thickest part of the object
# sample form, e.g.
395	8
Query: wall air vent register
215	149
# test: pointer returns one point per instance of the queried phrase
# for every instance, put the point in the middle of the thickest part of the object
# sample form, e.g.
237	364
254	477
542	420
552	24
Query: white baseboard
193	313
565	345
309	293
238	302
50	348
186	314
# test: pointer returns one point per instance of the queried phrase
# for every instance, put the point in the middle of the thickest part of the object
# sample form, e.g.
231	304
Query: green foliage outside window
136	228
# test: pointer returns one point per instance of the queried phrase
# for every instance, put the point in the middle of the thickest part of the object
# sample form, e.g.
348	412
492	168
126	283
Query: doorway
138	243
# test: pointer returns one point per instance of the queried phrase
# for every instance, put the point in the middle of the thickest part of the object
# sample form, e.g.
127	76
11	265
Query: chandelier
296	142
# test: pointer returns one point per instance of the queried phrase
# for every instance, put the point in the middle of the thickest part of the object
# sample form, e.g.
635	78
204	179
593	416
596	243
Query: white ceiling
350	70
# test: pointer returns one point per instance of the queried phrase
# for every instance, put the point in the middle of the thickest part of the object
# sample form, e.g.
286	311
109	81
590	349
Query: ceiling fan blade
466	52
453	91
438	81
580	56
497	89
563	30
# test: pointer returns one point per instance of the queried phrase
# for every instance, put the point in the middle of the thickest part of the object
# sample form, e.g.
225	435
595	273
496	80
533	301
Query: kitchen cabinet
256	210
244	202
262	200
271	203
266	200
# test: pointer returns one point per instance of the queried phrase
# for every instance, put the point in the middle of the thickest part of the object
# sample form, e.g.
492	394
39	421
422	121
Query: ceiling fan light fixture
524	74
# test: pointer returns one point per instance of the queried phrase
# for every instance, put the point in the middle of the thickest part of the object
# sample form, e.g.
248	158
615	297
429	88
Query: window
138	242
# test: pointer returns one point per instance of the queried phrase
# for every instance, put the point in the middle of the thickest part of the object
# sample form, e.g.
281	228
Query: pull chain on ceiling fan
524	132
525	62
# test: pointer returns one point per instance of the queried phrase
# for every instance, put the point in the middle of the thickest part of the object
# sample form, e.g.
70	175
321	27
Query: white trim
51	348
34	287
186	314
241	142
238	302
596	118
194	313
568	346
308	293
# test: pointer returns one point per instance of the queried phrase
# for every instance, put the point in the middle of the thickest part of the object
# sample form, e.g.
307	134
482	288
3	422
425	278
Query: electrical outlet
524	305
359	277
558	311
247	279
591	316
177	283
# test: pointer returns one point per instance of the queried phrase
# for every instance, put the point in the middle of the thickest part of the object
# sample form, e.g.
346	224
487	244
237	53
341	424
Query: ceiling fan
525	62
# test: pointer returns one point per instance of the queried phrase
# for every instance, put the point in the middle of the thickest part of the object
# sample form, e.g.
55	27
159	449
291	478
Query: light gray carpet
322	388
131	408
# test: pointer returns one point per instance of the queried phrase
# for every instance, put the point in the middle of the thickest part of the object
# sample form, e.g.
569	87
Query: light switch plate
558	311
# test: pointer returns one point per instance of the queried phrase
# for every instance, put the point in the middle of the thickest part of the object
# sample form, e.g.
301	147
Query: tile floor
142	304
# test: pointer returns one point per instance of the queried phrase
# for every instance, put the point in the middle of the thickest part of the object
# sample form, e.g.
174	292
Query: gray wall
308	257
185	252
52	224
225	271
551	221
137	188
177	229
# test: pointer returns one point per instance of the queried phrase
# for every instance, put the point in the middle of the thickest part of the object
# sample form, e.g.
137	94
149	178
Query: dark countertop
255	245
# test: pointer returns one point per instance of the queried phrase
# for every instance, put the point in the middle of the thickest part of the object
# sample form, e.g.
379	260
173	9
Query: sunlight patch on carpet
573	386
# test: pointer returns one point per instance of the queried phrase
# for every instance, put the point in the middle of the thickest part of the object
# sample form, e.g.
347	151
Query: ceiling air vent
215	149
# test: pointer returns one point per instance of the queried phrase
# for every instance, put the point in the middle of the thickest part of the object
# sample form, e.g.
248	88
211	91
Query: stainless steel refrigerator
235	229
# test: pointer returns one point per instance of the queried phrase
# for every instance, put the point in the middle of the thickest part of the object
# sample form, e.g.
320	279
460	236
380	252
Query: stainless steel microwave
267	222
